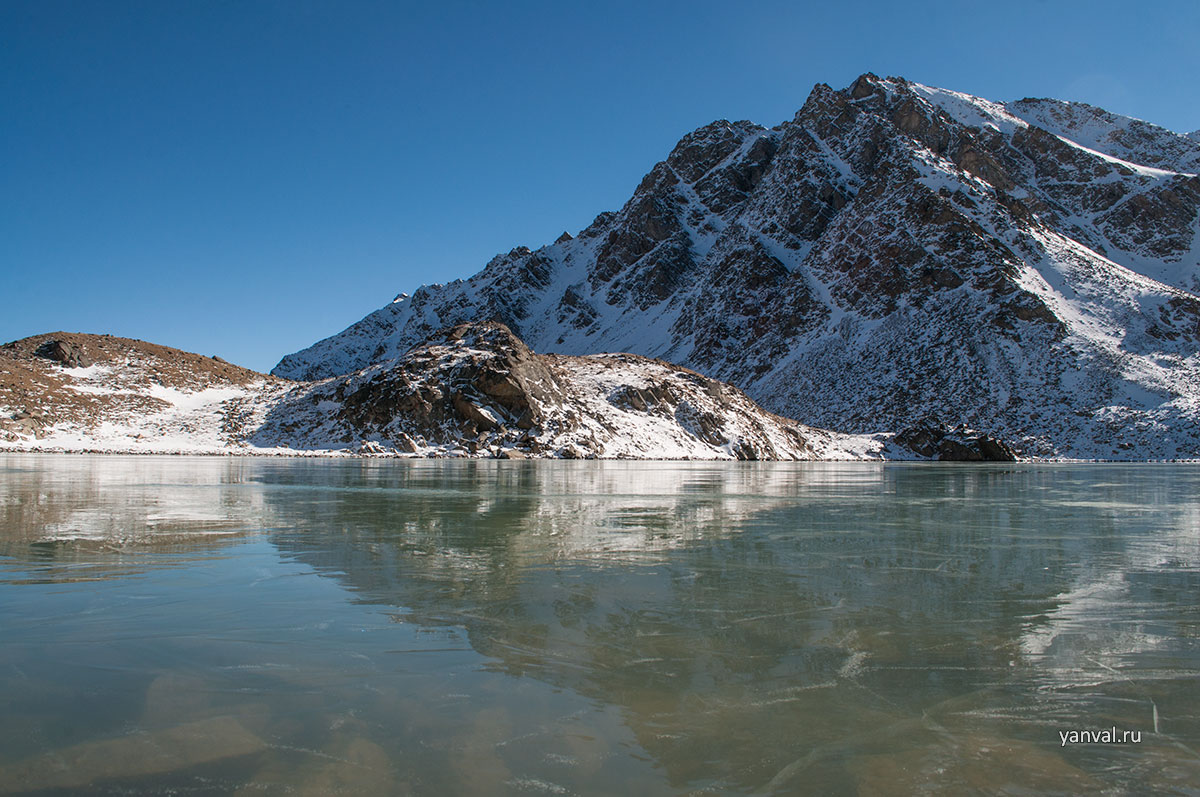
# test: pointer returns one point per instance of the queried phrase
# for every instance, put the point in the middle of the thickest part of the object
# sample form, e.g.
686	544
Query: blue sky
243	178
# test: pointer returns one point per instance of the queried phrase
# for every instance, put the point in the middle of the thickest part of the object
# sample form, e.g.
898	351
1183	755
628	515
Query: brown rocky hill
47	380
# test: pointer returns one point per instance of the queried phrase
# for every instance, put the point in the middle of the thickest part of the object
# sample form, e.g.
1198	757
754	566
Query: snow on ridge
972	111
1148	171
1117	135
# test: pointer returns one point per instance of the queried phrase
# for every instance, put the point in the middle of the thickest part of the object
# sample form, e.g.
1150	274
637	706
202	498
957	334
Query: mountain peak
895	251
864	85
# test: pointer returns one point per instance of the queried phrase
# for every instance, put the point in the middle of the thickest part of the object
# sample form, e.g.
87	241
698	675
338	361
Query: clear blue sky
243	178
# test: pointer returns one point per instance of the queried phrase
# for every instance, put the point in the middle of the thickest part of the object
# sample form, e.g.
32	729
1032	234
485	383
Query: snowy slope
1119	136
894	252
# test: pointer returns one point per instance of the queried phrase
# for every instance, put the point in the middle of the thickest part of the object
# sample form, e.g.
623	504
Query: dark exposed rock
489	382
929	439
68	354
575	310
702	150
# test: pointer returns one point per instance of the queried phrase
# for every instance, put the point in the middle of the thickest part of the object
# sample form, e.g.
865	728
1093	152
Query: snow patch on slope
970	110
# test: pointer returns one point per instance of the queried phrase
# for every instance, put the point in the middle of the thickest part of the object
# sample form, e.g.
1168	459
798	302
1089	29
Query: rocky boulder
929	439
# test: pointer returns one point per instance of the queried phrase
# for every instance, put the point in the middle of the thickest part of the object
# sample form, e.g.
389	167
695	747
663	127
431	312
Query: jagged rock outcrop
893	252
63	351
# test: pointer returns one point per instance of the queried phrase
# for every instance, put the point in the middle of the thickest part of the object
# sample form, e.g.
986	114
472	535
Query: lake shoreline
389	455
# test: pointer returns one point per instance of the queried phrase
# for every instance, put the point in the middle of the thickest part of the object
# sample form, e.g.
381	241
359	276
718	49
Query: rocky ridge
894	252
475	390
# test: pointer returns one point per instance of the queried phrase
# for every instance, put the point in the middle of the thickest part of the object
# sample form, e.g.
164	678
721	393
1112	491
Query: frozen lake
192	625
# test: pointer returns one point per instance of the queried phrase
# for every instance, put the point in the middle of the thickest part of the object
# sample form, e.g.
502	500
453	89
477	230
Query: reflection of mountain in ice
640	507
740	628
713	602
123	500
1112	612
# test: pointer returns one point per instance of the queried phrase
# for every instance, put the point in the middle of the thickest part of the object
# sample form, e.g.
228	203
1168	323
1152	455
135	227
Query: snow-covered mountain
474	391
894	252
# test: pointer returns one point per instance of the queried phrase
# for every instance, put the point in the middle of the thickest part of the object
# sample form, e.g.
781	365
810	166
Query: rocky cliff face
894	252
474	390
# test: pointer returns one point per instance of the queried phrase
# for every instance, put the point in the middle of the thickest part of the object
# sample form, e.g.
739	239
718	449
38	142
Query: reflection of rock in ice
125	500
1083	623
592	507
1117	612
